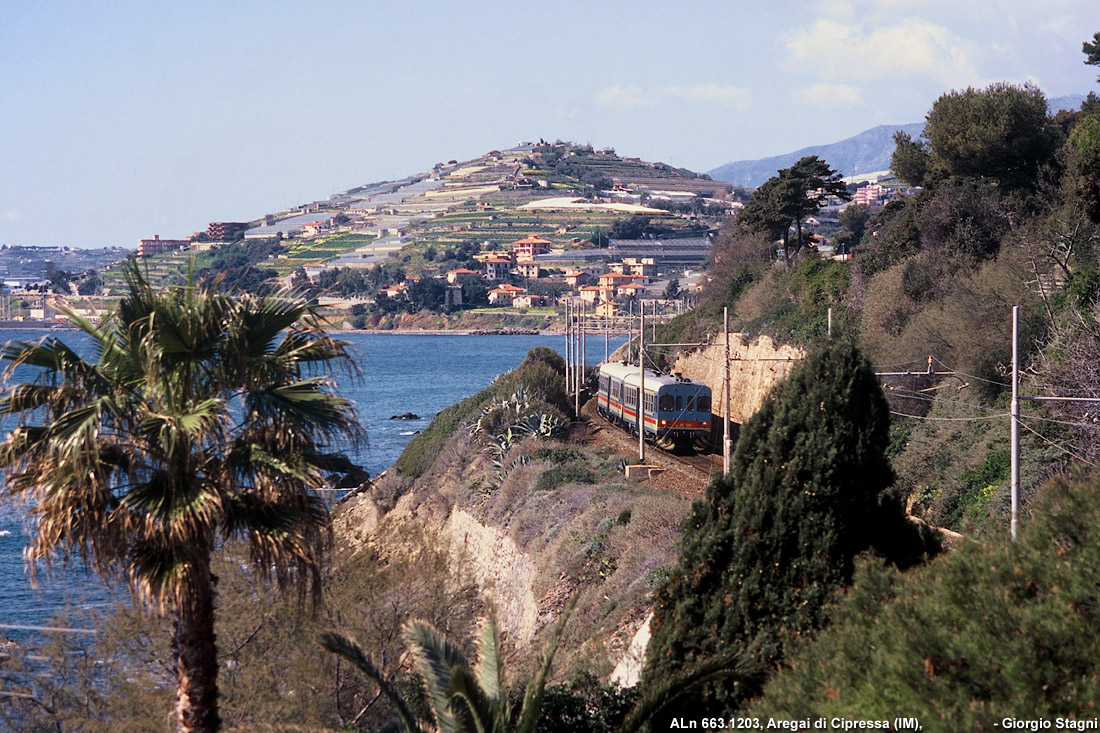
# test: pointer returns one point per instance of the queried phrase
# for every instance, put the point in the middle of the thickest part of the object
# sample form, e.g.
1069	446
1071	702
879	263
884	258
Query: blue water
398	373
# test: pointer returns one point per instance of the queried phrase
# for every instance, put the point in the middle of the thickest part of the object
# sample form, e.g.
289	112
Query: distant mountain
866	152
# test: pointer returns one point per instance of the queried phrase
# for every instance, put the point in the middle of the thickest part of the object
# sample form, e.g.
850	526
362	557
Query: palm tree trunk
196	653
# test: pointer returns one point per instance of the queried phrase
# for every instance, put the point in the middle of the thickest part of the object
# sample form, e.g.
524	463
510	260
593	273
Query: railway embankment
538	517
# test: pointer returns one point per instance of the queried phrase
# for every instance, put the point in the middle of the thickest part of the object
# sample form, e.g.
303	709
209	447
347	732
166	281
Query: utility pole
584	346
1014	417
568	344
727	442
576	368
641	386
606	338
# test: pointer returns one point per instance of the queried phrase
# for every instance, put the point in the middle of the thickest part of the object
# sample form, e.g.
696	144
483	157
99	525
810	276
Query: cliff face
754	368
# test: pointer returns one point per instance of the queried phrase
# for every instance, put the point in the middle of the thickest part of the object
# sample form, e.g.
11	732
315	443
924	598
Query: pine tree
762	554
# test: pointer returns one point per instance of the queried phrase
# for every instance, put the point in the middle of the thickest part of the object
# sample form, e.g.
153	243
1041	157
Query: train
676	411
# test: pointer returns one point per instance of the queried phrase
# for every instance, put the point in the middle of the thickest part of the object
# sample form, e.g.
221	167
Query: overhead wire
950	419
910	395
1062	448
971	376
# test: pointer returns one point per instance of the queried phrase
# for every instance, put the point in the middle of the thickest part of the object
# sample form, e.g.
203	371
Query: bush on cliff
990	630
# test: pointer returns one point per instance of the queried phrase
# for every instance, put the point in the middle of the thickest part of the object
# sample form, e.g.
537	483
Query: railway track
706	463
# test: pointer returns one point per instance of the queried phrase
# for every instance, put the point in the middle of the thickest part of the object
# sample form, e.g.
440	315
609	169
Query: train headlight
706	424
663	423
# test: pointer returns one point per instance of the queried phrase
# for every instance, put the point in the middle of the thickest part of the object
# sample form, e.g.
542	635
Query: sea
398	373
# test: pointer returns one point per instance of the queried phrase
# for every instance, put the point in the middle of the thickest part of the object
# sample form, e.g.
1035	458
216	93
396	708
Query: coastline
461	332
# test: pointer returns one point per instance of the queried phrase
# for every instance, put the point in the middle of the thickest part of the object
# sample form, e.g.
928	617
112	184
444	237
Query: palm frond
349	650
490	660
263	318
734	666
474	711
305	405
434	658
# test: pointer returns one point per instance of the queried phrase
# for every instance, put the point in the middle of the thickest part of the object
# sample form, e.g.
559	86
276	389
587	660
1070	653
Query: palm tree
201	419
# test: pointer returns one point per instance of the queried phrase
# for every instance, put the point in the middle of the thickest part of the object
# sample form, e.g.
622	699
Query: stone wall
754	368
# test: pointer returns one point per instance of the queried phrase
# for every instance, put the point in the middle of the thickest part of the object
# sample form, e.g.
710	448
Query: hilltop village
499	241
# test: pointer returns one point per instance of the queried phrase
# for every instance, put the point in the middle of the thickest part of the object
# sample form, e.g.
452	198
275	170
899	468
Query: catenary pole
727	442
606	338
568	346
576	364
584	345
1014	417
641	385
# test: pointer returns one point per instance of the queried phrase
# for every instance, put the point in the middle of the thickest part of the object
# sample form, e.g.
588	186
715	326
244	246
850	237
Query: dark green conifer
762	554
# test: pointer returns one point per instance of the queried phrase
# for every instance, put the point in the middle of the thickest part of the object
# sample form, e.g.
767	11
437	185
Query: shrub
569	473
990	630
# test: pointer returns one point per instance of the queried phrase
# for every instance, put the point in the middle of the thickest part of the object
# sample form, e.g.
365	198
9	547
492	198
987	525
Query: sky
122	120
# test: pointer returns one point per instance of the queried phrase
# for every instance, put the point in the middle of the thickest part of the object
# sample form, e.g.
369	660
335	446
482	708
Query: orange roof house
454	275
396	291
505	293
530	246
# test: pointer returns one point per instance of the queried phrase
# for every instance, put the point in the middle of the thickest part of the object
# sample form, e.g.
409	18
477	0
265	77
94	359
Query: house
611	280
156	245
396	291
492	254
529	246
504	294
576	278
646	266
869	194
527	300
497	269
607	309
590	293
530	270
630	290
453	276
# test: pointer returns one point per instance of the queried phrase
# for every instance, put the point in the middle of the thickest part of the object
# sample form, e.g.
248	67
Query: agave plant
541	424
516	404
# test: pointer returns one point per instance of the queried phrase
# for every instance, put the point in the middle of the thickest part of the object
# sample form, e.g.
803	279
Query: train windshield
666	403
702	403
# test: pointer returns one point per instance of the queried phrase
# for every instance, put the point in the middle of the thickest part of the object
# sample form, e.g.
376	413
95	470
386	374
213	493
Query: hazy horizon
125	121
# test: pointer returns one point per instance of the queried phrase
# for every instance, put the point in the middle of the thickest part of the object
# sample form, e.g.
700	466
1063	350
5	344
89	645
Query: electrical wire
971	376
1061	422
1062	448
949	419
910	395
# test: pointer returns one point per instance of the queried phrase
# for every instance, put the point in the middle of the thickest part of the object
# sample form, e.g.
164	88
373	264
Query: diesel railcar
675	411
